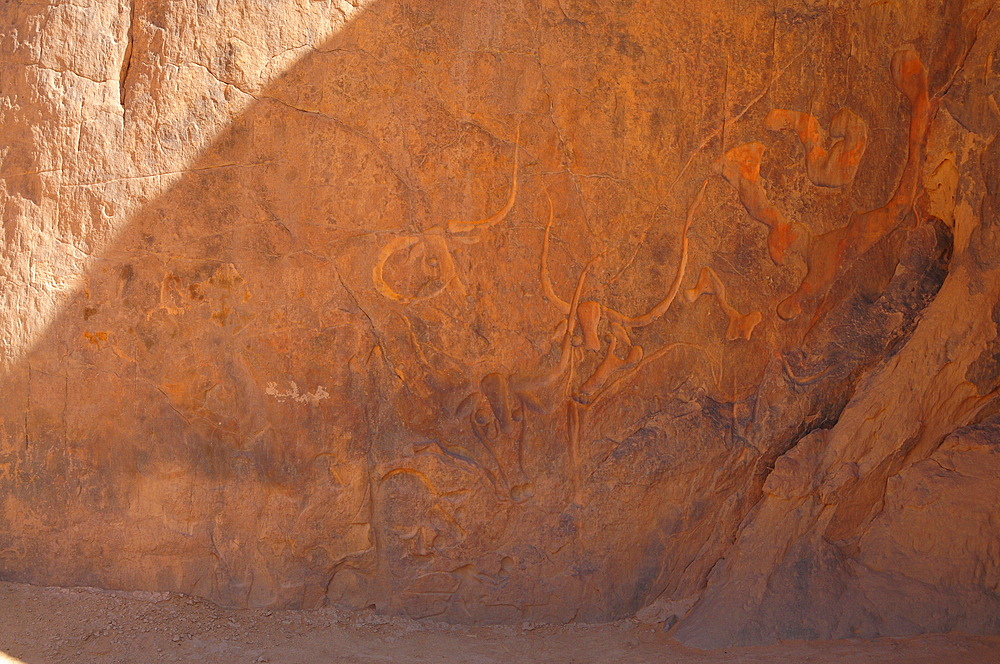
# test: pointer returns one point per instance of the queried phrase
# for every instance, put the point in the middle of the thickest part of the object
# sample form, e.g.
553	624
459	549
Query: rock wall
548	311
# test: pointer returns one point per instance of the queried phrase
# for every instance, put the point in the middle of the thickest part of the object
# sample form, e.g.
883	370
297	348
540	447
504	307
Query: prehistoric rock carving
833	167
740	326
501	404
496	414
504	412
438	267
828	253
431	251
590	314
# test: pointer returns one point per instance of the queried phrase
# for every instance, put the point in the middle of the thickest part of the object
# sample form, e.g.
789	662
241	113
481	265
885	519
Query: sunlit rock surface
497	312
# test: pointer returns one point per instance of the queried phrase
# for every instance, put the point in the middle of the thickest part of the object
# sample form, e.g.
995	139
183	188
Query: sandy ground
41	625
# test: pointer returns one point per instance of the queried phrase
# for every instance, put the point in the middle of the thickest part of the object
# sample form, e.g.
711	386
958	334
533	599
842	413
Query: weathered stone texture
507	311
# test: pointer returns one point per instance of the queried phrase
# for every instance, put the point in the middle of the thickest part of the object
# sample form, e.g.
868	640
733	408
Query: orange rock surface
378	303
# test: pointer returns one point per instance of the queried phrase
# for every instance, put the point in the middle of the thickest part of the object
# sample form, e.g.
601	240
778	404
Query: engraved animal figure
614	369
828	254
496	412
429	253
502	402
833	167
620	353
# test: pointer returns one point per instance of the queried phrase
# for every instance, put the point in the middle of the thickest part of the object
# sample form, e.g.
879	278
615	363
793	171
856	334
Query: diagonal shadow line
131	381
38	277
175	421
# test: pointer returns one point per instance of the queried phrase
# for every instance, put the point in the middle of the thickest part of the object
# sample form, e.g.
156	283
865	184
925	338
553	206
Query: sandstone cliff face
516	311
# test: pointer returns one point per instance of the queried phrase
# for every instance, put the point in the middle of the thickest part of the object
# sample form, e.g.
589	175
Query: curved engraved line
664	304
565	352
628	375
740	325
428	484
526	386
453	228
837	165
398	244
546	278
804	380
385	253
660	308
468	226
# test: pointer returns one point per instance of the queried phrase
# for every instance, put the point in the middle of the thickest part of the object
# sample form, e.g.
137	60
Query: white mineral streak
292	393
